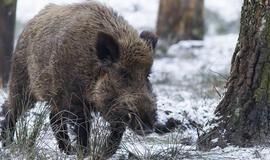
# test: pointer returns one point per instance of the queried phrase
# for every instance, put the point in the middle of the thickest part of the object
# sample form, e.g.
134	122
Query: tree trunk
180	20
244	113
7	27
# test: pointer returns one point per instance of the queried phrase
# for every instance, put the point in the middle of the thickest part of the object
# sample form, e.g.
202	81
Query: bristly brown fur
81	58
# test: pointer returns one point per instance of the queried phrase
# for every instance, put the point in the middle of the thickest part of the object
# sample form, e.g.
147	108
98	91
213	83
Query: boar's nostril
148	131
144	132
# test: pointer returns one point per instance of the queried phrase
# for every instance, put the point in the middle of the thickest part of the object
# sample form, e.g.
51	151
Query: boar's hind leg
114	139
12	109
59	127
20	99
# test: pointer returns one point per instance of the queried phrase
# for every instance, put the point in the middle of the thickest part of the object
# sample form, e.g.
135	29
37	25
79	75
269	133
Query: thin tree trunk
180	20
7	27
244	113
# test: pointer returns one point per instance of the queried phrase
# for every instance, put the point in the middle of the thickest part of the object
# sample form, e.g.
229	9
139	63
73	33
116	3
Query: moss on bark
5	3
263	89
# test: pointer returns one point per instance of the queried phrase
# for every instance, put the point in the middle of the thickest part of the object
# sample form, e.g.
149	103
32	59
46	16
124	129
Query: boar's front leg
82	128
114	139
59	127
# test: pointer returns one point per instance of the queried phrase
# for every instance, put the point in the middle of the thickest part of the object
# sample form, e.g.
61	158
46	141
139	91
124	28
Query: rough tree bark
7	27
244	112
180	20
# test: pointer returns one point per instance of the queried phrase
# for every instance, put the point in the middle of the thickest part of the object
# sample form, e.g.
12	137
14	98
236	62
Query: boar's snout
142	115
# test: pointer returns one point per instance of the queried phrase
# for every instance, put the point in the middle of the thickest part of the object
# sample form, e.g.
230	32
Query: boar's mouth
139	127
144	132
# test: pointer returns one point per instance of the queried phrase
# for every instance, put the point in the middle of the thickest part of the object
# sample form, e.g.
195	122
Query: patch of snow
214	140
262	24
186	44
3	97
214	55
227	9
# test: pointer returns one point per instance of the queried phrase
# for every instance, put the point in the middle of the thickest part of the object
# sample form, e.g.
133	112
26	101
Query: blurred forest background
173	21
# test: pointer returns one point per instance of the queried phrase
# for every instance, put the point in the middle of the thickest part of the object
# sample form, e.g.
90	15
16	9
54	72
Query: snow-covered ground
188	80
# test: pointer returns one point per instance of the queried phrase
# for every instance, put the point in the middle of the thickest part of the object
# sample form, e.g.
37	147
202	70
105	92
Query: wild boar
82	58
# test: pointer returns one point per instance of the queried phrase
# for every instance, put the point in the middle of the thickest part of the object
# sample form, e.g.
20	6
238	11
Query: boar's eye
126	76
132	121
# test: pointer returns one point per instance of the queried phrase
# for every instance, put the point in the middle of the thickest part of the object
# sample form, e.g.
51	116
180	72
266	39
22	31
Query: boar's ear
150	38
107	48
